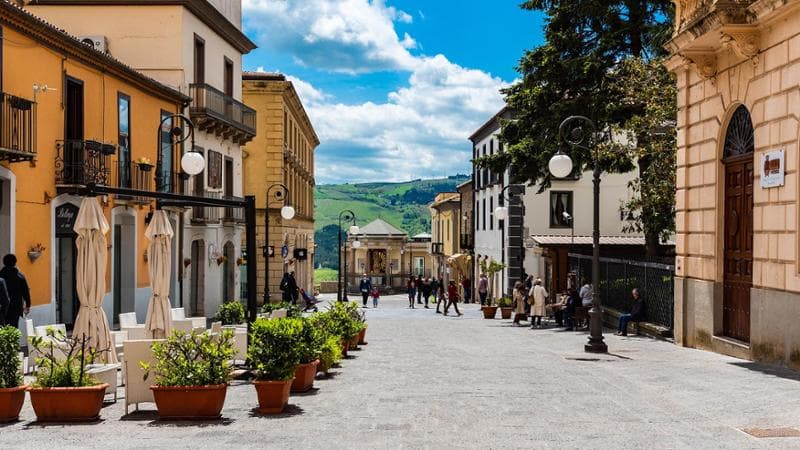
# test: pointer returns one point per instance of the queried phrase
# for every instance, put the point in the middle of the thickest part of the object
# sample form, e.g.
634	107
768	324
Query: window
199	60
165	137
285	129
124	139
214	170
491	213
419	265
228	74
560	209
484	214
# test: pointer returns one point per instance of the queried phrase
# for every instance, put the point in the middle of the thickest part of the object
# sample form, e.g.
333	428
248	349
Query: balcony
208	214
17	129
467	242
215	112
437	248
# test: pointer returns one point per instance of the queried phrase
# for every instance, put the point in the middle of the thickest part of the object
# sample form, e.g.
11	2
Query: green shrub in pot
275	348
9	358
230	313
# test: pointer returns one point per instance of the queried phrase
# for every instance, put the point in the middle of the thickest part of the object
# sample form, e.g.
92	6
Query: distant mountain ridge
403	204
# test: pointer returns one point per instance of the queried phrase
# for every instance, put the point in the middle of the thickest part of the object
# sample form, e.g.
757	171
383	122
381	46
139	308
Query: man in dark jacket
19	295
4	302
636	314
365	287
419	291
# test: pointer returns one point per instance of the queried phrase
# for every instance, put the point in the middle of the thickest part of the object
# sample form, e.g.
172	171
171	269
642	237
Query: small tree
491	268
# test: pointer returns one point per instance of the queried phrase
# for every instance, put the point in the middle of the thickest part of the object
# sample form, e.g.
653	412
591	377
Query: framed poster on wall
773	169
214	170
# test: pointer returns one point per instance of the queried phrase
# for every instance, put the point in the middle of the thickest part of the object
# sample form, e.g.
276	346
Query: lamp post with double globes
345	216
287	213
581	133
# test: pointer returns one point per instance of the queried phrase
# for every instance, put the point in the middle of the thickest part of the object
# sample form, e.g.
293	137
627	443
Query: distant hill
404	205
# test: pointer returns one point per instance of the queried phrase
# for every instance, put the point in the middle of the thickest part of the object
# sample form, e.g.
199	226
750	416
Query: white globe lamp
193	163
356	244
501	213
354	230
287	212
560	165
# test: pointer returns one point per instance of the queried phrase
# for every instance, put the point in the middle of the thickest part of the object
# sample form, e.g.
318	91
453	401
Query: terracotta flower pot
345	348
11	400
353	342
505	313
362	337
489	312
189	402
304	376
68	404
273	396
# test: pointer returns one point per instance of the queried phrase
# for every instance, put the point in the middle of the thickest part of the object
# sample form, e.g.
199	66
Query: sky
394	88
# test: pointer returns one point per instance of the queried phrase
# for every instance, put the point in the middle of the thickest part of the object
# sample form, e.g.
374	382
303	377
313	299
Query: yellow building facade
737	283
281	155
73	116
446	229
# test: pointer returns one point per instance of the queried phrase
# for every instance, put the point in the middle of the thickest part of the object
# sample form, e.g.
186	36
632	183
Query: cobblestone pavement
430	381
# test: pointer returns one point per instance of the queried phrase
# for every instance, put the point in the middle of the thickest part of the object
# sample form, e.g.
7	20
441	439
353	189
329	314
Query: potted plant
62	391
274	353
35	252
12	391
491	268
230	313
505	307
345	323
144	164
330	354
310	348
192	374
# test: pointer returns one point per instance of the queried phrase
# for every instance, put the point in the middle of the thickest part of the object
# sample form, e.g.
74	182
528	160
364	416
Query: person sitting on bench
636	315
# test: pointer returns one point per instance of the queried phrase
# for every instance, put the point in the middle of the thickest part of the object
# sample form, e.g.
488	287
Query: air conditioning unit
99	43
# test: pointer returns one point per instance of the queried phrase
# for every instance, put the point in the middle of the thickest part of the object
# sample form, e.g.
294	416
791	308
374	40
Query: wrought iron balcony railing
17	128
437	248
207	214
214	111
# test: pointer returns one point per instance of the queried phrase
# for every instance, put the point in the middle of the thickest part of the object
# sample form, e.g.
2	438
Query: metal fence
618	277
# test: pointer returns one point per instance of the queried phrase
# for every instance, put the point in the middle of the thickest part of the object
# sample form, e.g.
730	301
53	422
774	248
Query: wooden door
738	269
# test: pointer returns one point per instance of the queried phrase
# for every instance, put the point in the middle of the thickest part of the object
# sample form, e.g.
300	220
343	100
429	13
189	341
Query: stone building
737	289
281	153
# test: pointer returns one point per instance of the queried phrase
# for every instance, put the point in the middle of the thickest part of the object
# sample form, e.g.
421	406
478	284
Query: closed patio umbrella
159	319
90	279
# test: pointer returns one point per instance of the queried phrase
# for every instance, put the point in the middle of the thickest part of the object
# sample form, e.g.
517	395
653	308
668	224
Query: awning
460	262
544	241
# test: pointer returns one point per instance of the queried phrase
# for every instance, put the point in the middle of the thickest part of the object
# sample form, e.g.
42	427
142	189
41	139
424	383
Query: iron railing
209	102
467	242
232	215
17	128
437	248
618	277
208	214
80	162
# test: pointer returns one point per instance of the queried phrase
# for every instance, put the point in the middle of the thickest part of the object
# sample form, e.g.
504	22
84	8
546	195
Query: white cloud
421	130
350	36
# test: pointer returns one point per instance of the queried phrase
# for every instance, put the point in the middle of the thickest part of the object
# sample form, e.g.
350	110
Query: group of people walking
420	289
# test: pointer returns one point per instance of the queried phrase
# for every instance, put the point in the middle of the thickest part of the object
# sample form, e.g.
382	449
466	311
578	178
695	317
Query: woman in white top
537	299
587	293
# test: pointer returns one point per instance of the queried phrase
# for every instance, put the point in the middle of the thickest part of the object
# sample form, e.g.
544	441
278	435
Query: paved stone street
429	381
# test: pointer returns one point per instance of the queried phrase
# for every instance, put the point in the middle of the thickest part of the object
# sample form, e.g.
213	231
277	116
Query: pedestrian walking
537	298
294	289
426	290
452	298
466	284
19	295
365	286
519	303
528	286
419	291
587	293
5	302
376	295
285	287
411	289
636	314
434	292
483	288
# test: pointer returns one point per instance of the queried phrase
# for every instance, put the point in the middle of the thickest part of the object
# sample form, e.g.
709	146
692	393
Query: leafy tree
587	44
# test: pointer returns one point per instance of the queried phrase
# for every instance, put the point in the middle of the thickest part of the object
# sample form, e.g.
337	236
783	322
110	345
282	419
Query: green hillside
404	205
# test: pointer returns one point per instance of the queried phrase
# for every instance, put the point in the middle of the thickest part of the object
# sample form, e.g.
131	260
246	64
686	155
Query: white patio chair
278	313
118	337
239	342
184	325
216	327
58	329
137	390
127	322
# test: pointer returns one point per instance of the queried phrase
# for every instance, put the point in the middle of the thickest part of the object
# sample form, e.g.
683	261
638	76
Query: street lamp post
345	216
580	132
287	212
501	212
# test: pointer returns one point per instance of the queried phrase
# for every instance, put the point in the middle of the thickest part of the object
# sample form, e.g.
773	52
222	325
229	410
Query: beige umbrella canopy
460	262
159	319
90	279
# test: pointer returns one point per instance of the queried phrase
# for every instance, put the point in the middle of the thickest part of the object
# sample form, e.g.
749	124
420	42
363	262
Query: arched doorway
197	283
229	273
123	260
738	251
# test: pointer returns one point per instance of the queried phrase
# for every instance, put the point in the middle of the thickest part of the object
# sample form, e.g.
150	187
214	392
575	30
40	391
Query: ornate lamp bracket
704	60
744	40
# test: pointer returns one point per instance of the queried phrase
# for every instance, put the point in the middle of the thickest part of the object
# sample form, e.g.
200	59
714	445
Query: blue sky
393	87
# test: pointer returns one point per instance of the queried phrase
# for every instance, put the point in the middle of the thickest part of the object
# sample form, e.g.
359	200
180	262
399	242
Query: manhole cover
772	432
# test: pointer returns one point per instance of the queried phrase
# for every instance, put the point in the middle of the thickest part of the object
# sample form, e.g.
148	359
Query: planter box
489	312
362	337
189	402
71	404
304	377
273	396
505	313
11	400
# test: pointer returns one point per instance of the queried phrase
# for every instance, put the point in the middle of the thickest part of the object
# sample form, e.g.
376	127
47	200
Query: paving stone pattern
427	381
